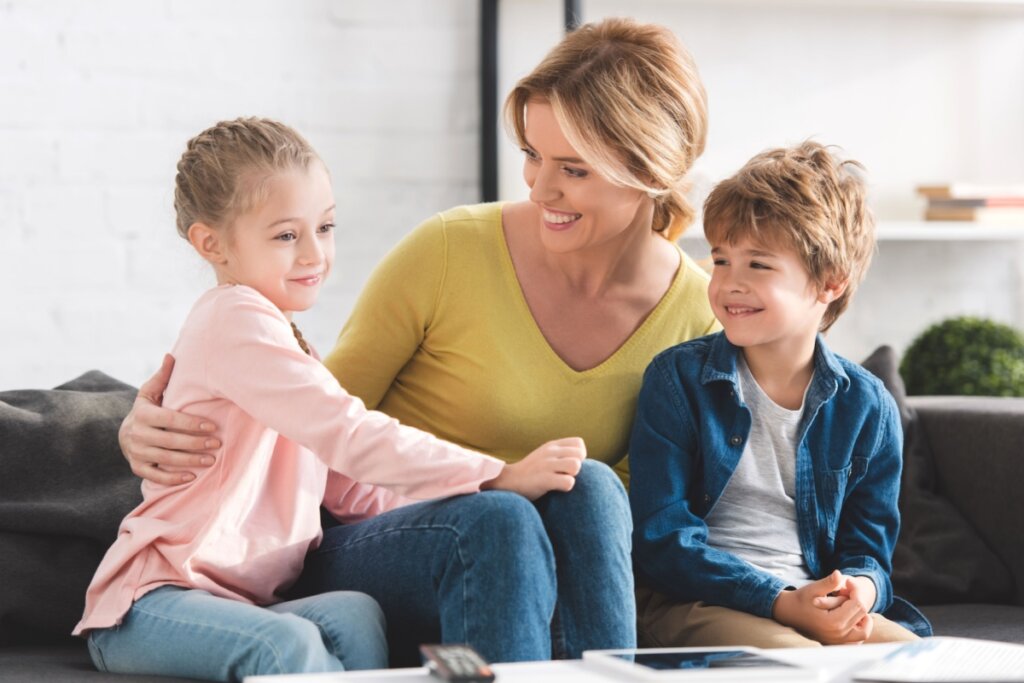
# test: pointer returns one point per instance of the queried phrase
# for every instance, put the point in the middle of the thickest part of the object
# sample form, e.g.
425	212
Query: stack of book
975	203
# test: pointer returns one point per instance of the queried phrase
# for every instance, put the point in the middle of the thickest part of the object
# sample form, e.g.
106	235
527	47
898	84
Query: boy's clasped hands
835	610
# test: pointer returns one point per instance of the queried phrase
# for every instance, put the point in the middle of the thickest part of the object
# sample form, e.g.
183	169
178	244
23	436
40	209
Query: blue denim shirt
689	433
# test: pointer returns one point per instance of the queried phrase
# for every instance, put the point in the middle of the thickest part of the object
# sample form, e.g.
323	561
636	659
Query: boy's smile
741	310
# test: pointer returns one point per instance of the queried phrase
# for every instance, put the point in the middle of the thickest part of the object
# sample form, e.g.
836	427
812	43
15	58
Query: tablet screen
718	659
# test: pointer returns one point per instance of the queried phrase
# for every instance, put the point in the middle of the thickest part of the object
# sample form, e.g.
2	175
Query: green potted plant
965	356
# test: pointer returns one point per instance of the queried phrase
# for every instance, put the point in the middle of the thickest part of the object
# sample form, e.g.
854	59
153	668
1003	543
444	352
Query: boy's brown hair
802	198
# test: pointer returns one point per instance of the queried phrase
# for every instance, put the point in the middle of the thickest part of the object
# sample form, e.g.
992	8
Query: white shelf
928	231
943	231
965	6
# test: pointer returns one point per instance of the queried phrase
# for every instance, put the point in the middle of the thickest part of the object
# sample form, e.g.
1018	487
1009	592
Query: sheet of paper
959	660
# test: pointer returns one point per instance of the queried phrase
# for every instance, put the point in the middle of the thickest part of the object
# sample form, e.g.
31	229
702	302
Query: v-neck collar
509	270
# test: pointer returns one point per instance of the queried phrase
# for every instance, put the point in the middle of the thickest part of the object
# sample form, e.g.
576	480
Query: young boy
765	469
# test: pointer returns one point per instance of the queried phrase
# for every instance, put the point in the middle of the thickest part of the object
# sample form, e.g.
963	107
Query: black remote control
456	663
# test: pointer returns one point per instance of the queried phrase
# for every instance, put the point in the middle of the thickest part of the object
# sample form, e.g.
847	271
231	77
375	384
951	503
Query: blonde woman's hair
629	99
224	169
802	198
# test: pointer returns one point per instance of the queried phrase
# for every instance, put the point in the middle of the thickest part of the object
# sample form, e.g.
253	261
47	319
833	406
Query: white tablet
697	664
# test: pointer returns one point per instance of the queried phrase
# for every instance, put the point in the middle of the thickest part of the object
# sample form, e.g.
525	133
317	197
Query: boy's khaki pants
664	622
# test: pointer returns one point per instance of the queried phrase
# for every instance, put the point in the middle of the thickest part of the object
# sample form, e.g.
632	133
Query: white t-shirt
755	518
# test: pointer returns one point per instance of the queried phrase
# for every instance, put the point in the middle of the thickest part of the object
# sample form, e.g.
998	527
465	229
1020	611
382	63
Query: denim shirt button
707	499
736	440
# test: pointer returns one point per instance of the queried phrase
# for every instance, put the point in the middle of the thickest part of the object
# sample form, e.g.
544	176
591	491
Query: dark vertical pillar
573	15
489	95
488	100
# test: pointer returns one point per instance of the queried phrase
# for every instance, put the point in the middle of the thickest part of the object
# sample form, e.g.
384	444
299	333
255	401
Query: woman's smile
559	220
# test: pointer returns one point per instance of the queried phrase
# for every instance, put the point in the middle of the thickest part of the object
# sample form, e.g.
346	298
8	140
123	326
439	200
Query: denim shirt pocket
830	502
834	485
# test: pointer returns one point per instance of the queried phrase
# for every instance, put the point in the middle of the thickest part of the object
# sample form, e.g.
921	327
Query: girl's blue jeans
516	580
173	631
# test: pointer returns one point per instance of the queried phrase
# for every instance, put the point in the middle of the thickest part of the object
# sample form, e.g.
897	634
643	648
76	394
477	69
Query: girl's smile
309	281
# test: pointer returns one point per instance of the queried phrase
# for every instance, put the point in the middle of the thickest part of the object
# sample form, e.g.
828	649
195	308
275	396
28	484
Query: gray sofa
966	572
64	488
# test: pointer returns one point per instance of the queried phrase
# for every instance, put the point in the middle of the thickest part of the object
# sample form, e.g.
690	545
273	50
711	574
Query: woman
505	325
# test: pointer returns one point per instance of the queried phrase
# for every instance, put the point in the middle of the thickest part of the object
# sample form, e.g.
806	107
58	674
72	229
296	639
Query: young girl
192	586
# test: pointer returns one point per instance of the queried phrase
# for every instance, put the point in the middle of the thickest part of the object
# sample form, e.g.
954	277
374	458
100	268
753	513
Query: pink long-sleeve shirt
292	439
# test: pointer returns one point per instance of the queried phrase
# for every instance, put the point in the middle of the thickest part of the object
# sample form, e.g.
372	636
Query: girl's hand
552	467
848	622
159	443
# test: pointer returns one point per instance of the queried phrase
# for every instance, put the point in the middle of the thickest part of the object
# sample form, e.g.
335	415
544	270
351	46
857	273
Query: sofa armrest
977	448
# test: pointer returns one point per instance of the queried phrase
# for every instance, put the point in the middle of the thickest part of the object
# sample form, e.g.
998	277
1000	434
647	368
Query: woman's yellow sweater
442	339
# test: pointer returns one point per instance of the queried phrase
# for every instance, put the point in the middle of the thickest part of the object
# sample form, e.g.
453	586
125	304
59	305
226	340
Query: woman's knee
502	533
597	496
598	477
504	515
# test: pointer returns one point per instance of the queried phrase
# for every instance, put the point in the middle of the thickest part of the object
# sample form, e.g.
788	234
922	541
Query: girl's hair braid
303	344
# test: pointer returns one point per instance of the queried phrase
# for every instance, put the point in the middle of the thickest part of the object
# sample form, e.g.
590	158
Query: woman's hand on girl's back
552	467
160	443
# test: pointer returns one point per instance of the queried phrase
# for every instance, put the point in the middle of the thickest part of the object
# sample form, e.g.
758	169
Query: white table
838	662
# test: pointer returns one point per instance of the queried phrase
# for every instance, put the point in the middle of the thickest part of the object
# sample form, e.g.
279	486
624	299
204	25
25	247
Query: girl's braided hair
224	172
224	169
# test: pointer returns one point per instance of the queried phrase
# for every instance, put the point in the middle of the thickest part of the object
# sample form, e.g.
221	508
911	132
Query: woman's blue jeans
516	580
173	631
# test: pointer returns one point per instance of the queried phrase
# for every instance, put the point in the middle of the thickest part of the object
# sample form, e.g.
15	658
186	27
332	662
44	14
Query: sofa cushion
64	488
988	622
939	557
975	444
883	363
62	664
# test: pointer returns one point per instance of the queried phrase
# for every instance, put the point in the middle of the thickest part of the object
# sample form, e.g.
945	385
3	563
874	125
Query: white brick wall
98	99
